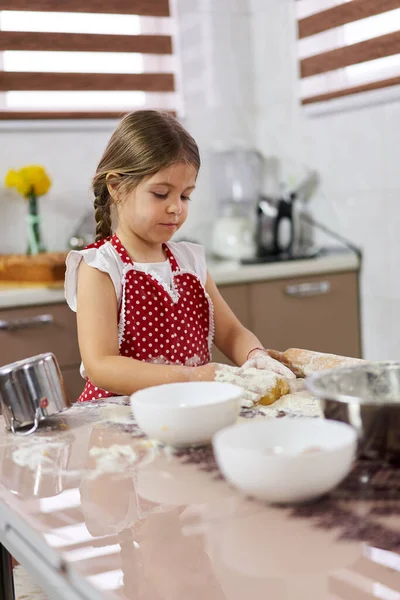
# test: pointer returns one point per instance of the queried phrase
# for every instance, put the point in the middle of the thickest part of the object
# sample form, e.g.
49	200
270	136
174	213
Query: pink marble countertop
130	520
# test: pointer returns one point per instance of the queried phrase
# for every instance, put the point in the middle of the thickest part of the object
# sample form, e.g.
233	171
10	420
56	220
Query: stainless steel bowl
31	390
366	397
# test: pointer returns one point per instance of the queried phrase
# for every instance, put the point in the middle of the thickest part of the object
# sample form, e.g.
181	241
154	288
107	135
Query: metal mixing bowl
31	390
366	397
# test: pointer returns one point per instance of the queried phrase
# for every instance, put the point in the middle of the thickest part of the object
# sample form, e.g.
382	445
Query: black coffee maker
283	230
280	232
275	227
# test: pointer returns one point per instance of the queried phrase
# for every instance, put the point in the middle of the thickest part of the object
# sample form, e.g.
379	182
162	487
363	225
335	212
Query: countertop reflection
138	522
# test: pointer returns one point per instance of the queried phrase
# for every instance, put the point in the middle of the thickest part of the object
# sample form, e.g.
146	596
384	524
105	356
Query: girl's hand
258	359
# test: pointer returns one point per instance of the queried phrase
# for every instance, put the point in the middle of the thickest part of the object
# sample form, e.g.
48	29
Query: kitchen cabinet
237	296
33	330
73	381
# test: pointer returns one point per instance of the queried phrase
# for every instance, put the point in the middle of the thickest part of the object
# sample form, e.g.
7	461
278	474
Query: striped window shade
71	59
347	47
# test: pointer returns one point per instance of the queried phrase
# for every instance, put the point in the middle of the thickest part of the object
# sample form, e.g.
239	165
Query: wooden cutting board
40	269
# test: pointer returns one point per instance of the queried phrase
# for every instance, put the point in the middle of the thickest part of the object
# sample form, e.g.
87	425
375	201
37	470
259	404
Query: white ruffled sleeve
102	258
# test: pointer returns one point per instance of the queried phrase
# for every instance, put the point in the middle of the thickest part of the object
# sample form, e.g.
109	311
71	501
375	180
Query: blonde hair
144	142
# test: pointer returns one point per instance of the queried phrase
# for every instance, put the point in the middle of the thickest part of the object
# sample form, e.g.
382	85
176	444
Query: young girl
147	310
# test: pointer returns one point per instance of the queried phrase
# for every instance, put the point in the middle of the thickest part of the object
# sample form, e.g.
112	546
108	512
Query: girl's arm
97	318
231	337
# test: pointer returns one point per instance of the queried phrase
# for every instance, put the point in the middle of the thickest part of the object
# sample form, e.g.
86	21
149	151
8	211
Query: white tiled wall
355	154
214	41
70	157
279	127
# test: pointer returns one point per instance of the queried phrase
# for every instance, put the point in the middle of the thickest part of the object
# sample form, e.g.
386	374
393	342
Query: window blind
347	47
54	63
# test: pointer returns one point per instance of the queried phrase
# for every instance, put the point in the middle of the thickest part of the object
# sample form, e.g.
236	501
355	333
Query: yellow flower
28	180
13	179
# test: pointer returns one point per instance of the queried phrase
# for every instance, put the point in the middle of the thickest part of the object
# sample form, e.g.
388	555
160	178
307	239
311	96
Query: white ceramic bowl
186	414
311	457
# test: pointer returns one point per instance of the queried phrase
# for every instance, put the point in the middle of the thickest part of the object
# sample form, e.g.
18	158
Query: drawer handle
308	289
27	323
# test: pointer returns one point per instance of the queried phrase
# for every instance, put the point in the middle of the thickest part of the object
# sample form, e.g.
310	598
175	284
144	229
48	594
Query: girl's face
158	206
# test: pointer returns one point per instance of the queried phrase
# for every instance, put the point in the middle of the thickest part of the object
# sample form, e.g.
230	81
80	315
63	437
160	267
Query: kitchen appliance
283	229
366	397
259	218
233	235
31	390
237	178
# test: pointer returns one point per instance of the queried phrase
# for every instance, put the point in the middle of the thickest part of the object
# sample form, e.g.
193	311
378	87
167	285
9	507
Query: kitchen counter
231	272
223	272
146	523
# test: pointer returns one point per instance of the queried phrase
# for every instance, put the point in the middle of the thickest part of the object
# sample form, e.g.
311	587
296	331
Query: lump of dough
259	386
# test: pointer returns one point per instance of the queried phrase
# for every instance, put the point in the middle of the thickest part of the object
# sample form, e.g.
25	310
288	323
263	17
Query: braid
102	214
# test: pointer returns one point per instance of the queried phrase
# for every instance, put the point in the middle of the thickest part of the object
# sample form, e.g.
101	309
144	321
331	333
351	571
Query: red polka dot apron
157	323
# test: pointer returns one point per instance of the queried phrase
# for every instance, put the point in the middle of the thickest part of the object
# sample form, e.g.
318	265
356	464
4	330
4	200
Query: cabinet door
32	330
237	296
73	381
318	313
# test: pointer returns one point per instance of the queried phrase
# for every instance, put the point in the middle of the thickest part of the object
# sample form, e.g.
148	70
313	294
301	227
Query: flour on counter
299	404
36	452
117	413
114	459
94	406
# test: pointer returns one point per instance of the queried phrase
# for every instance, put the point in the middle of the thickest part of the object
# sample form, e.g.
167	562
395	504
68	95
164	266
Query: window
85	58
347	47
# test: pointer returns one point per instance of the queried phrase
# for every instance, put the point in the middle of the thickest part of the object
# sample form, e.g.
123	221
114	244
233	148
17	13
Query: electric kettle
233	238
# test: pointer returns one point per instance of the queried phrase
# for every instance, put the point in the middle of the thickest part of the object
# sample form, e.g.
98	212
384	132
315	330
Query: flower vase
35	244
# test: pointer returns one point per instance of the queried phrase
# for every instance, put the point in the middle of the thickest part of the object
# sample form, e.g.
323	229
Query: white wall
279	124
217	79
355	154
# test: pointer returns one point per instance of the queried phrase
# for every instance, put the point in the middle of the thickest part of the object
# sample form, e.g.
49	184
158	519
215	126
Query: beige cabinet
33	330
238	298
318	312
